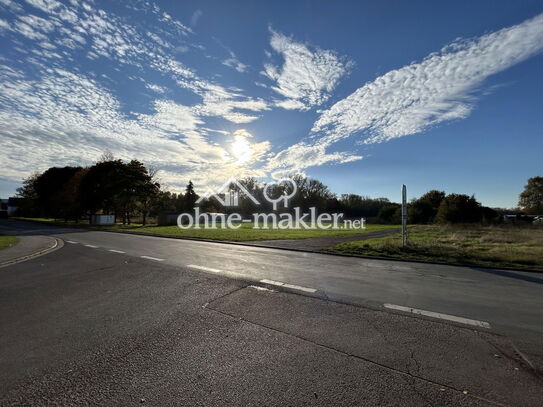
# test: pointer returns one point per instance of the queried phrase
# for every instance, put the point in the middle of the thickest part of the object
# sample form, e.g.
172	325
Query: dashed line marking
151	258
91	246
292	286
116	251
439	315
212	270
257	287
300	288
72	242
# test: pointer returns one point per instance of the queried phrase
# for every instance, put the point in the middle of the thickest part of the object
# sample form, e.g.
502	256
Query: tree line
130	189
110	186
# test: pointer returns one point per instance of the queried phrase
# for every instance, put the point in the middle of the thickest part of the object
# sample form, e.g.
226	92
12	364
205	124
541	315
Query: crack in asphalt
524	360
351	355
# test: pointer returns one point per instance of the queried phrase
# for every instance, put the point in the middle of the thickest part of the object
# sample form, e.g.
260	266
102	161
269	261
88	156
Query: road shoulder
29	247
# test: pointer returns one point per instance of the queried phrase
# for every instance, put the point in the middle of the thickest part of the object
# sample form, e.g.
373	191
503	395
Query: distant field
245	233
496	246
7	241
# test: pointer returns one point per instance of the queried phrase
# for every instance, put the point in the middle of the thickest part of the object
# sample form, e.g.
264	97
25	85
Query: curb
59	243
360	256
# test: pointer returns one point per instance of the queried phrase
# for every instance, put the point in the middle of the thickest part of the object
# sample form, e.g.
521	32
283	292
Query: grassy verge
7	241
495	246
244	233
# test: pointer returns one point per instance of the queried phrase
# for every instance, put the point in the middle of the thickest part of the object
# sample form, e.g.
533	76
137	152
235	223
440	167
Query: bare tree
106	156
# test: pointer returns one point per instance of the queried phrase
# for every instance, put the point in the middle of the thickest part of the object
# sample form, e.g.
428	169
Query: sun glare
241	147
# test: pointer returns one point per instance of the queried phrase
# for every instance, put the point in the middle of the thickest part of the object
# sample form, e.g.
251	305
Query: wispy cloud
300	156
57	109
156	88
307	76
440	88
59	113
235	63
195	17
66	118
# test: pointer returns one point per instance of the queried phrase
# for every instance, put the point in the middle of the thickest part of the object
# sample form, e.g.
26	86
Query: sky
365	96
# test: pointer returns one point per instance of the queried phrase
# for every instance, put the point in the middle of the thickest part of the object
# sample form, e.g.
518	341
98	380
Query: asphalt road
116	319
511	302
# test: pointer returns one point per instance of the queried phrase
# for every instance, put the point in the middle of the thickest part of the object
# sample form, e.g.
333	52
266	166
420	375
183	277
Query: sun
241	147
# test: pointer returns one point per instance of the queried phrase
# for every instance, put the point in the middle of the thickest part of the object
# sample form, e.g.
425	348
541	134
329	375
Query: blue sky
364	96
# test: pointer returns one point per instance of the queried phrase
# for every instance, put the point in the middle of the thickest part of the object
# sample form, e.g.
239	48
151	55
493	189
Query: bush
459	208
390	213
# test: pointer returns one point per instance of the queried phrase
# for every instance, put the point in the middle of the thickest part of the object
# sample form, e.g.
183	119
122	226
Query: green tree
531	199
100	185
142	188
311	193
70	196
353	205
434	197
459	208
390	213
28	205
190	196
421	211
50	191
424	209
135	190
246	205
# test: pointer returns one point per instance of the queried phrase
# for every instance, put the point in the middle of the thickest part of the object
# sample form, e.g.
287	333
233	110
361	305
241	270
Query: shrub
459	208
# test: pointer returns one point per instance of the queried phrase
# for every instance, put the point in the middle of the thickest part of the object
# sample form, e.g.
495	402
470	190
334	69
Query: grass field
244	233
7	241
496	246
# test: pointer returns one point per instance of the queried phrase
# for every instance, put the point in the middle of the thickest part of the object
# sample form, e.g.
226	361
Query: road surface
511	302
118	319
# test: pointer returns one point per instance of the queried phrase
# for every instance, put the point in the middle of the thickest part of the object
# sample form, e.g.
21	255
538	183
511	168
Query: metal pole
404	216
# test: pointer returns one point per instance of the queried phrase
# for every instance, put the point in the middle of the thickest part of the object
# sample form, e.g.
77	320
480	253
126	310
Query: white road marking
151	258
300	288
71	241
439	315
91	246
256	287
292	286
116	251
194	266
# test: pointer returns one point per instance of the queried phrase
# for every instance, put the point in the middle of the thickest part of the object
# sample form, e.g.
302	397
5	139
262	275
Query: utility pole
404	216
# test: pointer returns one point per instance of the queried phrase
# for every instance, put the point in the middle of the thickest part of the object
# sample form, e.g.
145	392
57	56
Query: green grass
244	233
496	246
7	241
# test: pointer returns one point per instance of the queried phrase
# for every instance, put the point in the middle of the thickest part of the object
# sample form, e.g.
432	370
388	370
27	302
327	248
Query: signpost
404	216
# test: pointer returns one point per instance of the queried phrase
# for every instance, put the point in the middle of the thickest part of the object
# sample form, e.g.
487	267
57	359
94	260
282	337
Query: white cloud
234	63
65	116
156	88
39	23
219	101
4	25
307	76
195	17
10	4
57	113
298	157
69	119
45	5
439	88
29	32
113	38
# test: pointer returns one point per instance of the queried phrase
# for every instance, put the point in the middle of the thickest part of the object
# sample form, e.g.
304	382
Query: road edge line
59	243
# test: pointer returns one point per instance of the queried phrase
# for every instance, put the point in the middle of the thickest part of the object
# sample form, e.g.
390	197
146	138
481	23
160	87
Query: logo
231	197
278	193
285	196
232	188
